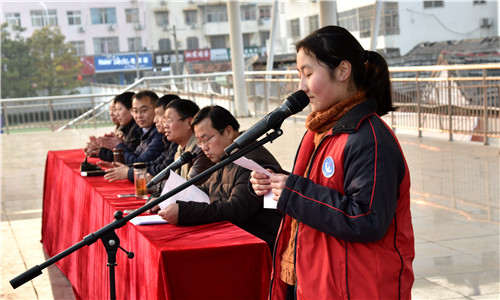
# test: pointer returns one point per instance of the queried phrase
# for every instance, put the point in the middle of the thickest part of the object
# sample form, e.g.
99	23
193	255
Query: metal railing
457	99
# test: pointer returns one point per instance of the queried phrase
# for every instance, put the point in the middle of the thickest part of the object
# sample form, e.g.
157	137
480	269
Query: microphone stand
107	233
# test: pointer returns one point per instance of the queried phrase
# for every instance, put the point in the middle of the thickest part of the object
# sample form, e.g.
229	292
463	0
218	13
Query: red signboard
88	65
196	55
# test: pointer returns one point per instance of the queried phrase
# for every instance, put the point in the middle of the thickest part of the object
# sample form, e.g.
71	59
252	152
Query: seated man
151	144
177	123
127	130
230	196
123	171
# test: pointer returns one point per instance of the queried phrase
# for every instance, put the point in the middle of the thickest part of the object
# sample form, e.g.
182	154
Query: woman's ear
344	70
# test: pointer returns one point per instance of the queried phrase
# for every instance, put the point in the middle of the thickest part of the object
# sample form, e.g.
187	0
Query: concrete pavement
455	209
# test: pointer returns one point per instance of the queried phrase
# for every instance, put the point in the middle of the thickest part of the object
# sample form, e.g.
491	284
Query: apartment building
120	40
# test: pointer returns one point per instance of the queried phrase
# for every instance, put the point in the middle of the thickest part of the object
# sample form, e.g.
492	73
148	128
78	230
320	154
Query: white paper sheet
148	220
191	193
252	165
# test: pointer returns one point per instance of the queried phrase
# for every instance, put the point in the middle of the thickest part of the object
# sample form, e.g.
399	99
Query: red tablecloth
214	261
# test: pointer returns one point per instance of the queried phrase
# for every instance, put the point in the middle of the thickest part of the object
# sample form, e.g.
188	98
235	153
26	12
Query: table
213	261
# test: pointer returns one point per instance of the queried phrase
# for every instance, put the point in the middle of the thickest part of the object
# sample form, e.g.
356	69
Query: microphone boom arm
120	221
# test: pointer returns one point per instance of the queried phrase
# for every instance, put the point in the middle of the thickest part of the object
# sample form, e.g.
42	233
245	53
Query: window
264	36
134	44
164	45
192	43
294	28
248	12
106	45
478	2
218	41
13	19
215	13
430	4
390	19
132	15
265	12
349	19
79	47
161	18
74	17
365	21
41	18
103	15
246	39
190	17
313	23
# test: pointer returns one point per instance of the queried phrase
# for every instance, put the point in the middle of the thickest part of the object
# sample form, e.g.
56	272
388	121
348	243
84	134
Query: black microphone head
297	101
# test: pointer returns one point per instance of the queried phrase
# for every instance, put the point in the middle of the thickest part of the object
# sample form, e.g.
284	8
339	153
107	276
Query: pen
125	195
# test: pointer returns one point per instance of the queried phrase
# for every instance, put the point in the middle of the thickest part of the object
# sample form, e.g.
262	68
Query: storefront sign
123	62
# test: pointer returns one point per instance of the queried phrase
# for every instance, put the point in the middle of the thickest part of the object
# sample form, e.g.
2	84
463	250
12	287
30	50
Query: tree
18	67
57	67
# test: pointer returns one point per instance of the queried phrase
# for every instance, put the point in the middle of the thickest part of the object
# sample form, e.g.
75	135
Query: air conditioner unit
137	26
194	26
111	27
81	29
485	22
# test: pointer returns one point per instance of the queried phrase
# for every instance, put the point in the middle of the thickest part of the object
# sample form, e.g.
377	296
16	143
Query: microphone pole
107	233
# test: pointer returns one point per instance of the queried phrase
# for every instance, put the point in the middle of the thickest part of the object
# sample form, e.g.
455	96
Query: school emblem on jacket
328	167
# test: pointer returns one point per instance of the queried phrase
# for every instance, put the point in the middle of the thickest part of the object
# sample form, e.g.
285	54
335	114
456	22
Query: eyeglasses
201	143
169	121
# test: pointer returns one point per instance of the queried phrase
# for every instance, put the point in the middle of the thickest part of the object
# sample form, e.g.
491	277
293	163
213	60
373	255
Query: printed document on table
252	165
191	193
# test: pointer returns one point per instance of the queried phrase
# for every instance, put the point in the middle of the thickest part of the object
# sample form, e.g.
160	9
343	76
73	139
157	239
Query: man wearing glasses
151	144
177	123
231	197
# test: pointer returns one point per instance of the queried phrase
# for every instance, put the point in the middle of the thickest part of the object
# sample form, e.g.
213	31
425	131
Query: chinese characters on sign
122	62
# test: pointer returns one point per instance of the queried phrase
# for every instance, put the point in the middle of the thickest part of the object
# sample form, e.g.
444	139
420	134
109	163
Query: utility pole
176	51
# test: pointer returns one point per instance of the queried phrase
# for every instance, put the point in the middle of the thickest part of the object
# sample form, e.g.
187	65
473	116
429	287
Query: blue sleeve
151	152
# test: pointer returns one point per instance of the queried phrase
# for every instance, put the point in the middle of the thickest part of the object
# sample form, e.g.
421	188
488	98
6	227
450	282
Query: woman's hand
261	183
277	184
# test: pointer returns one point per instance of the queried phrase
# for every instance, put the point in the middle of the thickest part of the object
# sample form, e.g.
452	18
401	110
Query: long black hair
370	73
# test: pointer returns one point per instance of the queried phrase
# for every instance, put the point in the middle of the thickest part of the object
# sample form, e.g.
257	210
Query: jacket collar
350	121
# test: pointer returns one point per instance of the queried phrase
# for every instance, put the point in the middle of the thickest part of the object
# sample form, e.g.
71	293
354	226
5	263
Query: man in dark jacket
124	171
230	196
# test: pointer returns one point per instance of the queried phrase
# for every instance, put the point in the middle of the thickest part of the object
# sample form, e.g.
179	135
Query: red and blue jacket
355	236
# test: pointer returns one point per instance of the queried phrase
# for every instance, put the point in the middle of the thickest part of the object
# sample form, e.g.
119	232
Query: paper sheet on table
148	220
191	193
252	165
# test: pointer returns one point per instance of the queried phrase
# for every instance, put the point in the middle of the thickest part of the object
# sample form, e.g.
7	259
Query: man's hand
110	141
105	164
170	214
155	209
119	172
92	148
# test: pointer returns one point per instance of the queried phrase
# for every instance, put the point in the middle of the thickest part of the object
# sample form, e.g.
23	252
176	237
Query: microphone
183	159
295	103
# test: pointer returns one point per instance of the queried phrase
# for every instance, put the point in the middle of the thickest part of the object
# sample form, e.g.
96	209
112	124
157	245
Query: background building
119	41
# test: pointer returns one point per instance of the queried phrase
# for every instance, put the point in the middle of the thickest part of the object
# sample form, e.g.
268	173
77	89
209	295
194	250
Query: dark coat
150	147
233	200
131	138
